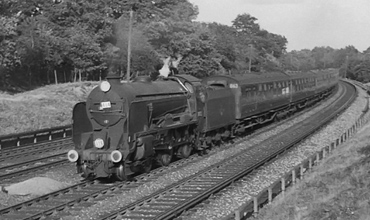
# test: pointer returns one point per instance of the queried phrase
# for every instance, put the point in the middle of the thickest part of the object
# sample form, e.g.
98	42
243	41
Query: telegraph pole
345	72
250	57
129	45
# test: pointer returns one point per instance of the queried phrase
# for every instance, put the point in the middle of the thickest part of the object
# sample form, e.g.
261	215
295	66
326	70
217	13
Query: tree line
51	41
351	62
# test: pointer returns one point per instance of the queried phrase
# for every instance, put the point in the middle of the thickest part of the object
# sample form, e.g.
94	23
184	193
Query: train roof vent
143	79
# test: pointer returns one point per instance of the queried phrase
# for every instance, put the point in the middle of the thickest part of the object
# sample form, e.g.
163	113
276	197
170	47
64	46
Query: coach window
248	92
253	93
272	89
249	95
302	84
298	85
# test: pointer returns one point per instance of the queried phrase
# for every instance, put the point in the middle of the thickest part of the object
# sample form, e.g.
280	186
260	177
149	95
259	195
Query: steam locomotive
125	127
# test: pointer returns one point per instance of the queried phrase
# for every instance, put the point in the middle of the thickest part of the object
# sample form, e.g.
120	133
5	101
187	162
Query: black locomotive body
124	127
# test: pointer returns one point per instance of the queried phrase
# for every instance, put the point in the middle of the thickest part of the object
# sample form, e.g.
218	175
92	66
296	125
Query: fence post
255	206
317	158
323	153
269	191
237	215
301	170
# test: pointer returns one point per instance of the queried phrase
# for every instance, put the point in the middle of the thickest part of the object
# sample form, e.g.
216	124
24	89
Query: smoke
142	59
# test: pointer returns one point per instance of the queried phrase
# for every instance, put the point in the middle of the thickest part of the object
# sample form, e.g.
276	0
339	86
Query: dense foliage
50	41
351	63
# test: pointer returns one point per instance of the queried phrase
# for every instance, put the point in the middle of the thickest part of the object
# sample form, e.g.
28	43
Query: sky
305	23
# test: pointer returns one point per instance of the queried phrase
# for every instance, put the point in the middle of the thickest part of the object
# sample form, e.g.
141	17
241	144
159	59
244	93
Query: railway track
17	163
11	155
79	194
13	141
31	166
82	195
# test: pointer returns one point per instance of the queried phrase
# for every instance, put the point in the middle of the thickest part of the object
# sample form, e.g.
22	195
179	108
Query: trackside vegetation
338	188
54	41
45	107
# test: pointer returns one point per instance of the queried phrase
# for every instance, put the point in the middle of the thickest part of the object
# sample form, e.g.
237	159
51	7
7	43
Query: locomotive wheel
184	151
120	173
85	172
148	165
79	168
164	158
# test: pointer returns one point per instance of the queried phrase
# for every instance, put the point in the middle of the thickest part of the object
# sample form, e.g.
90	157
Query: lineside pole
129	46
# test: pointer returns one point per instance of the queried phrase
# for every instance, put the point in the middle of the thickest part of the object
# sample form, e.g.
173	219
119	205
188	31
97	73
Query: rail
251	207
33	137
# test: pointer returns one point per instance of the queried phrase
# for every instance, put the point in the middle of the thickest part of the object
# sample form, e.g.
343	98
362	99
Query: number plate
104	105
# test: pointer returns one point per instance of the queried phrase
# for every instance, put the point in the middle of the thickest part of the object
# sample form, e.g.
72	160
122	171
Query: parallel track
79	194
11	154
17	163
32	166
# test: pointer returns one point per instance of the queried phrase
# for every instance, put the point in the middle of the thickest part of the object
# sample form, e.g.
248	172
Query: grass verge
46	107
338	188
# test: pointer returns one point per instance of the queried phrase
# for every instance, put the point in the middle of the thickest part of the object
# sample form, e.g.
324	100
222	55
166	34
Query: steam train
125	127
